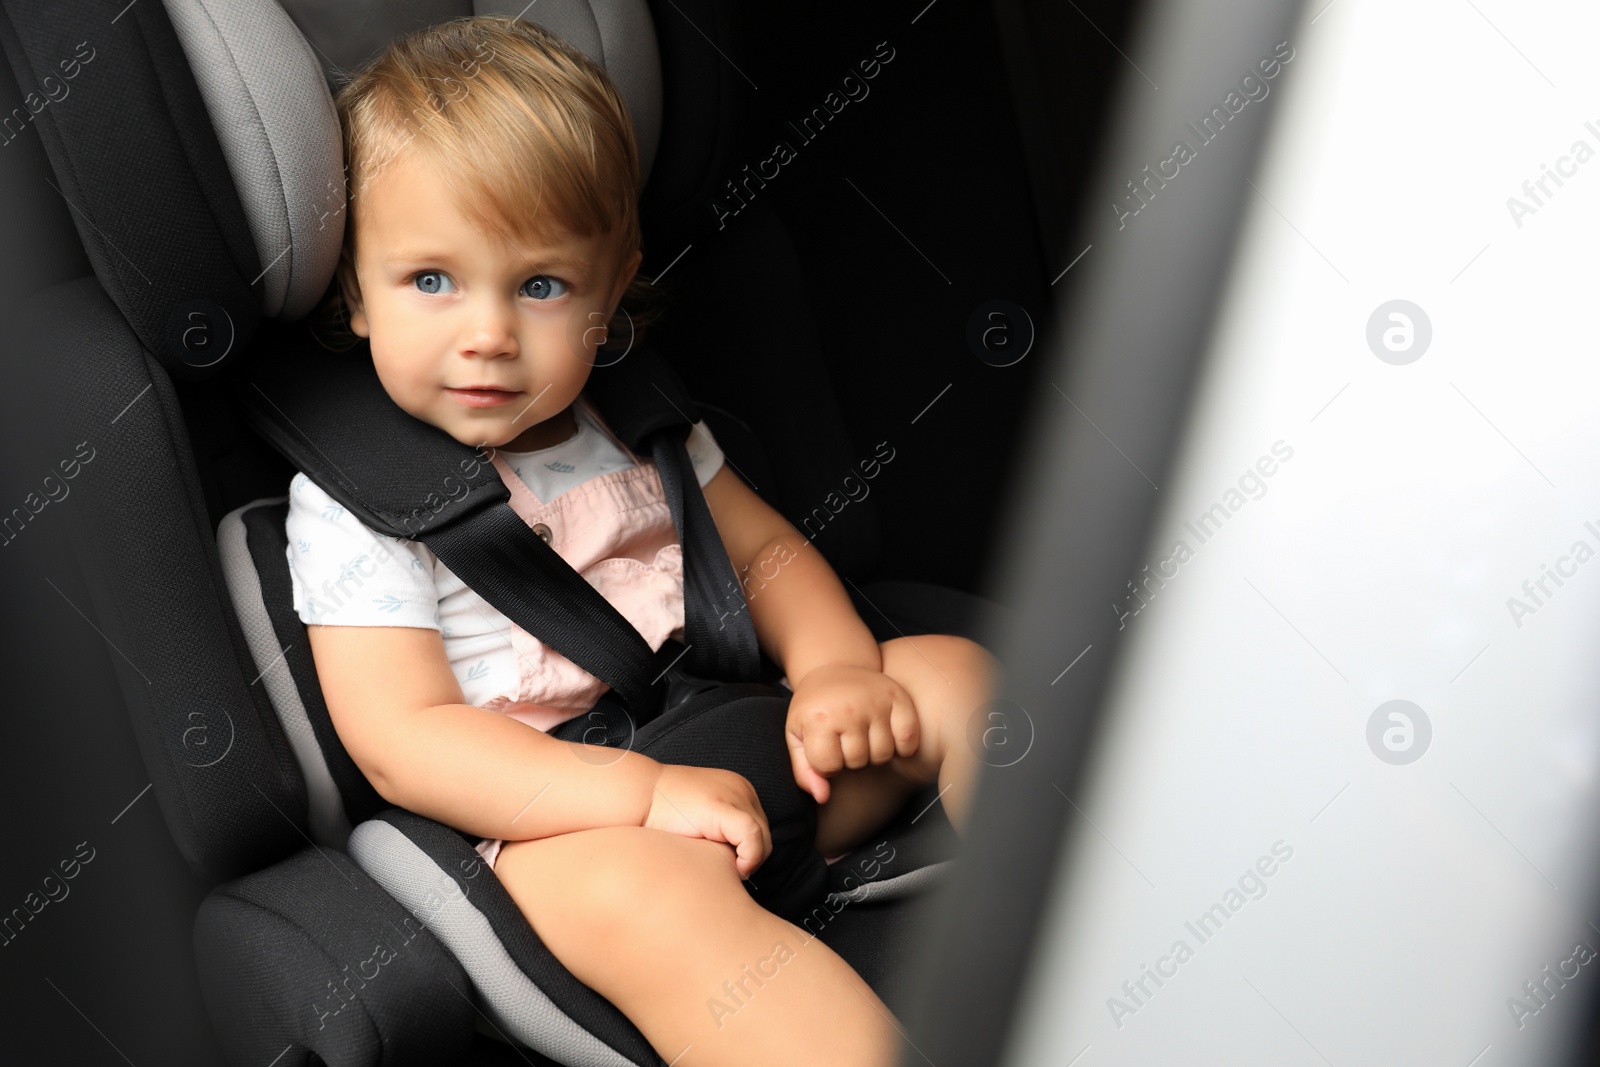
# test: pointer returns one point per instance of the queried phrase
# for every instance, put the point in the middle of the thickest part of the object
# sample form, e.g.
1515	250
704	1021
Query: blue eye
430	281
544	287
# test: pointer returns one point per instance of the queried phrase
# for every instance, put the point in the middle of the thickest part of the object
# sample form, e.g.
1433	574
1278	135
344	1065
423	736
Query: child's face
447	309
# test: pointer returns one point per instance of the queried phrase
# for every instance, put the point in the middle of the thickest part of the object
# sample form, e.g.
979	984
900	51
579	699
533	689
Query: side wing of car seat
223	110
528	994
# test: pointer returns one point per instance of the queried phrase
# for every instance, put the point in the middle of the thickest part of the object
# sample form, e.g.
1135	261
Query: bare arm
802	614
845	711
401	714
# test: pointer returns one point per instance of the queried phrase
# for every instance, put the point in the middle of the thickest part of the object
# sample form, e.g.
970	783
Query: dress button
543	531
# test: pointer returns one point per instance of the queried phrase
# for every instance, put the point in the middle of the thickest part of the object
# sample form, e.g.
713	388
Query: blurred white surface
1374	564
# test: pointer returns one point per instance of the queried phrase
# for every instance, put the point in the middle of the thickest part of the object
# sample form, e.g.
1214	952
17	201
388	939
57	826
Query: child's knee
613	885
937	666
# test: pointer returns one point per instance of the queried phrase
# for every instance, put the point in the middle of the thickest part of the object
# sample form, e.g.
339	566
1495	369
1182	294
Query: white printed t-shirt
391	581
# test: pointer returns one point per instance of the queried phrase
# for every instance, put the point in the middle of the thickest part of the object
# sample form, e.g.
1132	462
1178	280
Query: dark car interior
877	296
870	228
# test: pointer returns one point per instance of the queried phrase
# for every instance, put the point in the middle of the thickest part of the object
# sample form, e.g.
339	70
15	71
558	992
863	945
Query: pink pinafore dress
616	530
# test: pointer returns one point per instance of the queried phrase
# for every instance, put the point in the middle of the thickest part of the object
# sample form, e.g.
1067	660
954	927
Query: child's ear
630	267
350	289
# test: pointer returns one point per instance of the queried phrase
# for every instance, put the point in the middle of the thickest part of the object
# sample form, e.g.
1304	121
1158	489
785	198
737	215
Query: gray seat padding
437	875
244	159
526	992
311	955
264	71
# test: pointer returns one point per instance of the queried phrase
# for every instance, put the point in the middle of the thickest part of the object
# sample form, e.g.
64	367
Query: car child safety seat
201	153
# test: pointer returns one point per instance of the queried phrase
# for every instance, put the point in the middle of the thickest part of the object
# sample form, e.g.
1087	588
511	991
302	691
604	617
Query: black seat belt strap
718	632
498	556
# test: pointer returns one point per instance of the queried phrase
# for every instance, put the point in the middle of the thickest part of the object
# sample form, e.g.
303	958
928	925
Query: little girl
493	224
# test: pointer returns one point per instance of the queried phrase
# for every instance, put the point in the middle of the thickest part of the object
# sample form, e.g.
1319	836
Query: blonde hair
529	131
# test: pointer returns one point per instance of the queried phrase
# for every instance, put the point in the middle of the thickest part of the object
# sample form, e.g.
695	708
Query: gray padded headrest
621	37
265	67
274	117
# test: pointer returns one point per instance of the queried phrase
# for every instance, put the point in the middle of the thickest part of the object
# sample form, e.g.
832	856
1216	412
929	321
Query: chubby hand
844	715
714	804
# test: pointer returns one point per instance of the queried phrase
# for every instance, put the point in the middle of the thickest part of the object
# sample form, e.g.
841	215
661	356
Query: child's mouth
483	398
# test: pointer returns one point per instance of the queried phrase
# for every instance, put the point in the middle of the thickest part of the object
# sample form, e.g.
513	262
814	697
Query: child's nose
491	329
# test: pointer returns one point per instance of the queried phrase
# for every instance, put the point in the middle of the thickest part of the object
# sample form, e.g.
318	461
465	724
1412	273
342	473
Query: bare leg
661	926
949	678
